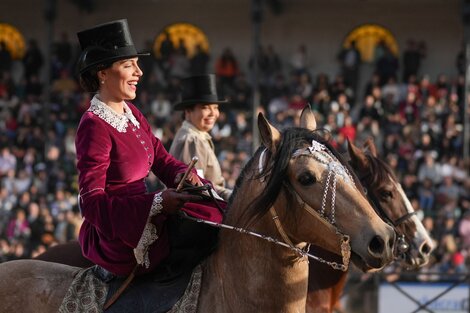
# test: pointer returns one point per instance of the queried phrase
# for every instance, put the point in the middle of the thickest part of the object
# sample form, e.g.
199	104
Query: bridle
335	169
320	153
402	245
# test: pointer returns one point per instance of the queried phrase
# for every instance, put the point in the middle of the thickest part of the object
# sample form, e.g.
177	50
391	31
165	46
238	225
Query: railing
406	292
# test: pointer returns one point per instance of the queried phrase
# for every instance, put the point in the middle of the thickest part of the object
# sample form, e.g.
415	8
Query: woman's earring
102	82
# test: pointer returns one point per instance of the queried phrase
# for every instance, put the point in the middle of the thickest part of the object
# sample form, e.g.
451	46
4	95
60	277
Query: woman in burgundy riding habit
124	225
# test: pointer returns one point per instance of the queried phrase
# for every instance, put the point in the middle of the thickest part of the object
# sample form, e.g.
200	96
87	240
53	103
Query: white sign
391	300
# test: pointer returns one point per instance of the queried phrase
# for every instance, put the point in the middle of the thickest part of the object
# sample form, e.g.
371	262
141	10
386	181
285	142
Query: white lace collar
118	121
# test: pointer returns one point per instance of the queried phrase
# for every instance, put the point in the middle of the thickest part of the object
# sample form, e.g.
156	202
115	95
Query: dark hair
188	107
89	80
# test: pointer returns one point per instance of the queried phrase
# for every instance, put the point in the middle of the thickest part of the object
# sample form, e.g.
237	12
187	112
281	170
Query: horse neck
245	267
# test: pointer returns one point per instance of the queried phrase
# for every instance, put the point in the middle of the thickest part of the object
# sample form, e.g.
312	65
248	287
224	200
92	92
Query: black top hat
200	89
105	43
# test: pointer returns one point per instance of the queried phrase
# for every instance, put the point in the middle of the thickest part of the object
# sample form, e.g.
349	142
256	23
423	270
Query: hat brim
187	103
111	60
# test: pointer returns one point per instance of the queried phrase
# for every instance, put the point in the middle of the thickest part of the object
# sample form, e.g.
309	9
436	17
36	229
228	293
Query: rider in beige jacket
200	103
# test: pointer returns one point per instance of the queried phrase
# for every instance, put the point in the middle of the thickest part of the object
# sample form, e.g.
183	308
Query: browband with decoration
324	156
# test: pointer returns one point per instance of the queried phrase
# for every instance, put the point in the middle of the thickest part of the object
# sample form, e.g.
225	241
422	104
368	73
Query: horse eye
307	179
386	195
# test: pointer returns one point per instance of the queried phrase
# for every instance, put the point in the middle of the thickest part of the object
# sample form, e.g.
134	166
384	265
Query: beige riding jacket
190	141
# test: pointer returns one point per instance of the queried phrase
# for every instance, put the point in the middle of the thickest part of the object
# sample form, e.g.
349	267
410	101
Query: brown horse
393	206
286	191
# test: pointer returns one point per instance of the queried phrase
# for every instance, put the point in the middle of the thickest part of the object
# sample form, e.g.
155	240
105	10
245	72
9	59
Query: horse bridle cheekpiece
335	169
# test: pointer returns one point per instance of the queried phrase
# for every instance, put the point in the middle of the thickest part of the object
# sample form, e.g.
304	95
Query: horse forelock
379	172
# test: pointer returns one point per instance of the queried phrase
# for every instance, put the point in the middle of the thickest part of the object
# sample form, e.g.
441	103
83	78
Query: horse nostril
425	249
376	245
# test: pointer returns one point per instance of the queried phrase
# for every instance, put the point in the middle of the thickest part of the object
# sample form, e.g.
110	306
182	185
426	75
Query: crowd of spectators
415	120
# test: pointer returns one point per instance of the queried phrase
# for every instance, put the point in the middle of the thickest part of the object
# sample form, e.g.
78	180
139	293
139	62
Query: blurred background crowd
416	122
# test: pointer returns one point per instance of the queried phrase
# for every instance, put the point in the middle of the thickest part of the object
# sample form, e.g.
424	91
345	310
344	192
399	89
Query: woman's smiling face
203	116
119	82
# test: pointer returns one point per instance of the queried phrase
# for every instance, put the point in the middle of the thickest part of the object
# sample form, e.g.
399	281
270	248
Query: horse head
414	246
314	194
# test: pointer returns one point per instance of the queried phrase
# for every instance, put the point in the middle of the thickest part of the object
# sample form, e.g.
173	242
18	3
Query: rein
302	252
345	248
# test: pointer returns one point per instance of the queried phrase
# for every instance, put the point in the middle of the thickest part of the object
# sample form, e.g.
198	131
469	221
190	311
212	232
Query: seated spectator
5	59
226	69
448	191
64	85
18	228
7	161
160	108
429	169
369	109
348	130
426	193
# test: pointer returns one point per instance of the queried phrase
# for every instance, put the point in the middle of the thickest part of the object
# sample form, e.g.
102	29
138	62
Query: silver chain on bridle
319	152
297	250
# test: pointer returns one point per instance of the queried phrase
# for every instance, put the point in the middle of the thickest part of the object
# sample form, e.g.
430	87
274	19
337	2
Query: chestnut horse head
414	245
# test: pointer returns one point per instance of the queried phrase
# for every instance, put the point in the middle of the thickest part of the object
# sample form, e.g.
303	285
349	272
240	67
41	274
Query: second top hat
105	43
200	89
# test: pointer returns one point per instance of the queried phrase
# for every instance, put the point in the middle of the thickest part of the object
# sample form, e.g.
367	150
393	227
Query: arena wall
321	24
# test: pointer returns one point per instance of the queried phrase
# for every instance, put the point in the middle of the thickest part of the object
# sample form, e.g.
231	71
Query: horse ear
307	118
270	136
358	157
370	145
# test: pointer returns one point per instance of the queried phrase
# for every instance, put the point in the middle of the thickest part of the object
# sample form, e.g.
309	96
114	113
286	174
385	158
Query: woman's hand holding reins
172	201
191	178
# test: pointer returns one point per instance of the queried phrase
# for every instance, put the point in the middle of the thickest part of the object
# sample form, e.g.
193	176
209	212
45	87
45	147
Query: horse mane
241	178
275	169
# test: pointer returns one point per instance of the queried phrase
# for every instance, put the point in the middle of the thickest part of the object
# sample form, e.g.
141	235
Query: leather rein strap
121	289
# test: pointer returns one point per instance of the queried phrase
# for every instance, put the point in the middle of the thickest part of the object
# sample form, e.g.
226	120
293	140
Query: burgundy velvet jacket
114	157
